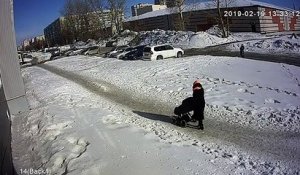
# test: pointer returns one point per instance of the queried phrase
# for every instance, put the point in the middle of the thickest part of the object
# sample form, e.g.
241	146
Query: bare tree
98	7
223	22
177	7
117	8
80	19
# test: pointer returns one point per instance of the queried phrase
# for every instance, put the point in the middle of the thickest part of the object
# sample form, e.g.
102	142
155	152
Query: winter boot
200	125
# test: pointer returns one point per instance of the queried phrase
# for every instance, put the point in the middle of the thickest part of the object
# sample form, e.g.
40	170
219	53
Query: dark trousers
242	53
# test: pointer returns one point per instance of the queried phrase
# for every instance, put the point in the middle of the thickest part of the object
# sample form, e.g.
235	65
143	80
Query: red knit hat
197	85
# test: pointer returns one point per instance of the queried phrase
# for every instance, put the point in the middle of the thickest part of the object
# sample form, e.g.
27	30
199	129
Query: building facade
168	3
34	43
259	17
65	30
26	43
12	90
54	33
140	9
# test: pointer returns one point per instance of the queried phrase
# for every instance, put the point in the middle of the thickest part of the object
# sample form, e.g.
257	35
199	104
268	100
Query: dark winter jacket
195	104
198	104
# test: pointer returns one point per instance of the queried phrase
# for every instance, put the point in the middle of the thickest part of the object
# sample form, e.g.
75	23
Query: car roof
159	45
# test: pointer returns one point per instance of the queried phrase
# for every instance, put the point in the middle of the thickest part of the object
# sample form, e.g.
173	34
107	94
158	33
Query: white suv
160	52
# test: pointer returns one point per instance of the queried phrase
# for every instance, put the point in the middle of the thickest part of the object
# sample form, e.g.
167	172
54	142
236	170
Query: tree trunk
221	21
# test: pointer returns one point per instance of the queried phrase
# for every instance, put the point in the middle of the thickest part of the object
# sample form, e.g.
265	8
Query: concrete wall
6	165
12	91
159	22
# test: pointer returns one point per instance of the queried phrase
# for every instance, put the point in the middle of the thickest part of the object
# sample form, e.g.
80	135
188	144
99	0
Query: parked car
135	54
92	50
54	52
160	52
103	51
75	52
116	51
121	54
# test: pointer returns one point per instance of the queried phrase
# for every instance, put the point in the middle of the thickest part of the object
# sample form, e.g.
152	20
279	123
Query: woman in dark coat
195	104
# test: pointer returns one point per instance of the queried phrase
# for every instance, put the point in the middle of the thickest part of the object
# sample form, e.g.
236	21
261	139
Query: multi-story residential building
26	43
140	9
54	32
39	38
168	3
66	29
34	43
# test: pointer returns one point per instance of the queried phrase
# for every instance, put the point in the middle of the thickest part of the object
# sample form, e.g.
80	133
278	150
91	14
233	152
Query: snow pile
279	45
79	45
125	38
64	48
203	39
181	38
214	30
90	43
39	57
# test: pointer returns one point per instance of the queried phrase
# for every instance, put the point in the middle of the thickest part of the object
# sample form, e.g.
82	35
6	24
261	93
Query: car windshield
121	47
129	49
95	47
147	49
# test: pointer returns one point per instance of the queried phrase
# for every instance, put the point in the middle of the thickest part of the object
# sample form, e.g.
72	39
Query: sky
32	16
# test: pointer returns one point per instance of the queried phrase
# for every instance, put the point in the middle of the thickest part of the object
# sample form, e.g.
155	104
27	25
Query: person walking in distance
242	53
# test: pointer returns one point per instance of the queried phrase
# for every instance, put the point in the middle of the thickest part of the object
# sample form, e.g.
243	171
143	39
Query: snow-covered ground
41	56
287	45
91	115
232	84
182	39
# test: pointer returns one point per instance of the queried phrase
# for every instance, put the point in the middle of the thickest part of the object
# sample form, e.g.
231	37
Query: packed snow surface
75	126
288	44
181	39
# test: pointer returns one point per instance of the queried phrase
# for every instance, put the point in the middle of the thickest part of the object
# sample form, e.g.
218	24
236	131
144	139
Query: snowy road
271	144
222	50
234	146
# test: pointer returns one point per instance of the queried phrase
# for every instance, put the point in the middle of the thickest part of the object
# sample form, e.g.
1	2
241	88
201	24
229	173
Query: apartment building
64	30
140	9
168	3
54	33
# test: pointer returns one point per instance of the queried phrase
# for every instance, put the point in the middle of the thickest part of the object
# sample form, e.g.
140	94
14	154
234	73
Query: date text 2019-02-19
233	13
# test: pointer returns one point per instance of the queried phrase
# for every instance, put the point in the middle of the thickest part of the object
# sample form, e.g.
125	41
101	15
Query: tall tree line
84	19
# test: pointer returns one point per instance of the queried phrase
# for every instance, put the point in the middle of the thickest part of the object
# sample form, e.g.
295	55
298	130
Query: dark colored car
55	52
135	54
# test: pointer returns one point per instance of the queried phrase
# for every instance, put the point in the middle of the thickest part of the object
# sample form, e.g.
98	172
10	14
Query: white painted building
140	9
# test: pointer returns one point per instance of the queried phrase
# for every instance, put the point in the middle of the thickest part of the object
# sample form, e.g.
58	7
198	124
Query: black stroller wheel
183	123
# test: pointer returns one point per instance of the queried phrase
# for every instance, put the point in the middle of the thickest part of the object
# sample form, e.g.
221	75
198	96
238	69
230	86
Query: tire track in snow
283	146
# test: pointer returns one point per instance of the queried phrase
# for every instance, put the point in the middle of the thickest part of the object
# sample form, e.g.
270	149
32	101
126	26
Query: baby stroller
181	120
